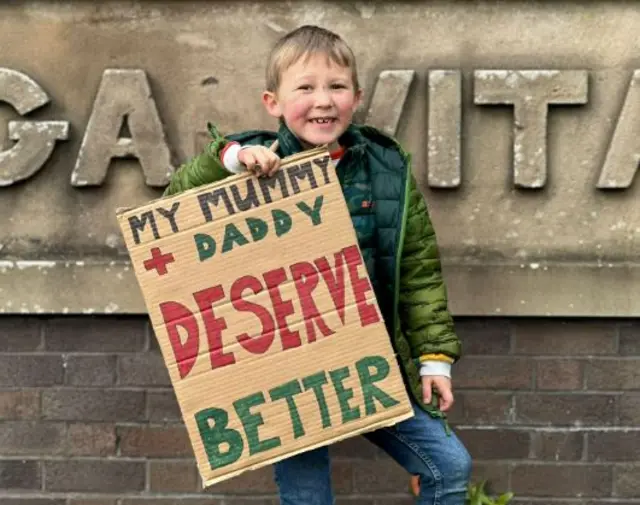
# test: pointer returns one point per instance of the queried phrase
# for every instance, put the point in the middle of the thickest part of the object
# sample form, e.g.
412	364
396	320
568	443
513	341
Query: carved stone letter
35	139
530	92
388	99
621	163
445	111
124	95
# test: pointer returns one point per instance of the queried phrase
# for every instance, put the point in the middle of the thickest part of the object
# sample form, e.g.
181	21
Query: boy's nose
323	99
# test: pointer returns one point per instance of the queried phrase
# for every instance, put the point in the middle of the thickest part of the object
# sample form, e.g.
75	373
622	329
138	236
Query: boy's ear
270	102
357	102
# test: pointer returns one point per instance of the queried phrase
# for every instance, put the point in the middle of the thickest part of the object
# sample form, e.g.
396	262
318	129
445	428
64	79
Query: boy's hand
259	160
442	385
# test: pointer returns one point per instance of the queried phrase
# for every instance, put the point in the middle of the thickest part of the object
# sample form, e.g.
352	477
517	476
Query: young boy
312	88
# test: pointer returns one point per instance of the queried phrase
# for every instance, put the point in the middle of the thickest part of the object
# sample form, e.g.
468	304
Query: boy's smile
316	99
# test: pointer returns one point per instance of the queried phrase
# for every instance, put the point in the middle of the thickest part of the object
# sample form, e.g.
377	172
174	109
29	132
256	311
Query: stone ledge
528	289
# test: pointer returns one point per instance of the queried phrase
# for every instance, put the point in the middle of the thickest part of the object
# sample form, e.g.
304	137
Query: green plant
476	495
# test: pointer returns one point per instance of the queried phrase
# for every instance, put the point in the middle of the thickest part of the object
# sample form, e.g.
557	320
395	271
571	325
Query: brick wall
547	408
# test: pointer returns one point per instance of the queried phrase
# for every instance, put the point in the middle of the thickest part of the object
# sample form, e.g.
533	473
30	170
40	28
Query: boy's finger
426	390
446	400
263	161
248	161
274	164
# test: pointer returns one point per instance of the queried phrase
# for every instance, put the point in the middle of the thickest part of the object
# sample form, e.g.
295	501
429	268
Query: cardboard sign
267	321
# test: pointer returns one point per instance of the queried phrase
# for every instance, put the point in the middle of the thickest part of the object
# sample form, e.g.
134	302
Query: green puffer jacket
394	232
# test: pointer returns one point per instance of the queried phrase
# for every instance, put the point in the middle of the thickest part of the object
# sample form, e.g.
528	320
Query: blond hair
304	42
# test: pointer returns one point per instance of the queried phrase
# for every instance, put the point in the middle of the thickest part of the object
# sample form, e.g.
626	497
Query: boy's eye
305	87
338	86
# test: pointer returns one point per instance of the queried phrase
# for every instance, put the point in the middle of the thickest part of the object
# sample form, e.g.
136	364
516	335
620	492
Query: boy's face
316	98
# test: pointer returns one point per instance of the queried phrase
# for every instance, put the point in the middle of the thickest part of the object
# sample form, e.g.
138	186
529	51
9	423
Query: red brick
629	409
559	374
496	444
626	481
143	370
154	442
568	338
380	476
19	474
94	476
262	482
173	477
557	446
350	500
258	481
496	474
613	446
387	500
96	334
630	338
17	405
93	405
612	374
91	501
565	409
227	500
484	336
154	345
354	448
20	334
30	370
494	372
481	407
250	500
342	476
184	501
162	406
561	480
34	501
22	437
91	439
90	370
557	501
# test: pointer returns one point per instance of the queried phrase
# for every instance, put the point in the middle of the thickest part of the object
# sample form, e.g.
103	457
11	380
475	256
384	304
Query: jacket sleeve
202	169
426	320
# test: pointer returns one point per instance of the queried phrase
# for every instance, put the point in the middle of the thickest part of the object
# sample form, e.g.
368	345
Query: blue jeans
419	444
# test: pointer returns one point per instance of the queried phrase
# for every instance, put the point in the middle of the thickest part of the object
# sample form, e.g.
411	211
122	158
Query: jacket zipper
396	295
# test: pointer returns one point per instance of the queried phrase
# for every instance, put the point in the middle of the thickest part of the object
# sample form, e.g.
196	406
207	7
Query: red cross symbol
158	261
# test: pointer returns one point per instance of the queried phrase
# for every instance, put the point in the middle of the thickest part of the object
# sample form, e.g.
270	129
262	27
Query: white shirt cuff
435	368
230	160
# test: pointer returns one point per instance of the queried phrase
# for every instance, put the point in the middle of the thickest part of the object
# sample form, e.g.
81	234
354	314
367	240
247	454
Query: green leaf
476	495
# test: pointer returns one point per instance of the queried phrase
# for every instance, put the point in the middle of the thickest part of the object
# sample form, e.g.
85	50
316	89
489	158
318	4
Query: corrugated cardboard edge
372	427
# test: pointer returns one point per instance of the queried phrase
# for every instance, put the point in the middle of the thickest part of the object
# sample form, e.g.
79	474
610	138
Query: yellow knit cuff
436	357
